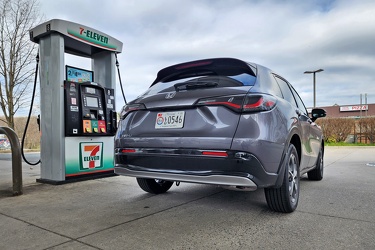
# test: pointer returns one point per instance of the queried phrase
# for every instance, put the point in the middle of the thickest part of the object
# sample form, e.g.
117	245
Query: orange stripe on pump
89	147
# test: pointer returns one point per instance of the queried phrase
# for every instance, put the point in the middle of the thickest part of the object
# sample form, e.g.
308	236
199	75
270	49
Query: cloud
287	36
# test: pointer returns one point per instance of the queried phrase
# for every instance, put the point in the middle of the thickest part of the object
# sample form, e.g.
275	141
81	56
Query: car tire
317	173
154	186
285	198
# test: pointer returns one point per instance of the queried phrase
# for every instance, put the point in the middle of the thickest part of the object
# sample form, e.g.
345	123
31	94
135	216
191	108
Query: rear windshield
202	78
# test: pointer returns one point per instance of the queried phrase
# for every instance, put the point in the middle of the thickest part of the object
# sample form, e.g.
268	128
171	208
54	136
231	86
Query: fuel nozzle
38	121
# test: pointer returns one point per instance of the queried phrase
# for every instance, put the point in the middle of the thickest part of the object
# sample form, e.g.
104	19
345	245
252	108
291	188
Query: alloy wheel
293	179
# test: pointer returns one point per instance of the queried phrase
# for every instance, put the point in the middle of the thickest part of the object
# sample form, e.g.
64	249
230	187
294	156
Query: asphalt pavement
114	213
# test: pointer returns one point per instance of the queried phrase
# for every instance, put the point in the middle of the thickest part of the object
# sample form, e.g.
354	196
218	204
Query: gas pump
78	116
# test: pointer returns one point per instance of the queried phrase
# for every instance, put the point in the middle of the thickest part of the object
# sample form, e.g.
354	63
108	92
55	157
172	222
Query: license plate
170	120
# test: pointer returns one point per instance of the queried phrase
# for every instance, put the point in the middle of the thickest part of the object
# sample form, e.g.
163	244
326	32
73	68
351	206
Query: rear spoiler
214	64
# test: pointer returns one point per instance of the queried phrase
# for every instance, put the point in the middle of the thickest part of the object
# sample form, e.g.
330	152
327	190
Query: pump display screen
92	102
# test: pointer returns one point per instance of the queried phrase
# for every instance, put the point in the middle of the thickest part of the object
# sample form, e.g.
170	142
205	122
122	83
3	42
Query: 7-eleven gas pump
78	117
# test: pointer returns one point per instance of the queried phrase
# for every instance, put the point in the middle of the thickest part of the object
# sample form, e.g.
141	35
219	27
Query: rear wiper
196	85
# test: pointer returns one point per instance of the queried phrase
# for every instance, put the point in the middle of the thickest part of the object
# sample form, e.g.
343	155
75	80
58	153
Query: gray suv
225	122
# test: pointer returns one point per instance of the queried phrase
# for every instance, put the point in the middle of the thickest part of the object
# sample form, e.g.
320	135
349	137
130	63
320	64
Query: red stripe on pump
93	153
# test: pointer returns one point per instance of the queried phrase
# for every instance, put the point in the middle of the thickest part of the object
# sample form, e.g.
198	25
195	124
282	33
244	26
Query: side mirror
317	113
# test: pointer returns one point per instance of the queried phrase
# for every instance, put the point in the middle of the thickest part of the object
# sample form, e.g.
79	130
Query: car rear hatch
194	105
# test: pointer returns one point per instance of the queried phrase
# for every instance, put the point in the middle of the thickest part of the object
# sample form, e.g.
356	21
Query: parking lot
114	213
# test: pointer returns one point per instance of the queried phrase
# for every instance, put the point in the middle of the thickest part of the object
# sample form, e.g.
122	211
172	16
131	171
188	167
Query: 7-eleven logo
91	155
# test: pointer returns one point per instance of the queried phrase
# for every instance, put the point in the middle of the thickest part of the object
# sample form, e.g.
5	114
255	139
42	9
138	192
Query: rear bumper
222	180
225	168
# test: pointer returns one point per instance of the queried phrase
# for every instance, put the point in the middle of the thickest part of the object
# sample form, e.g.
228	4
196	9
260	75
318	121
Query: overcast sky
287	36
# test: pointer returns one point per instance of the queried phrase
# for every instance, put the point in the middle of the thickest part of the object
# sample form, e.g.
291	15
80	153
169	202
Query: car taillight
232	102
241	103
130	108
255	103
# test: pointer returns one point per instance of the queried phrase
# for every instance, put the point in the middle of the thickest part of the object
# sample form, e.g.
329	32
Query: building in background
349	111
358	127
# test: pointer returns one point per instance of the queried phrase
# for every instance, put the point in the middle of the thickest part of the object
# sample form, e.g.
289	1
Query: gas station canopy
79	39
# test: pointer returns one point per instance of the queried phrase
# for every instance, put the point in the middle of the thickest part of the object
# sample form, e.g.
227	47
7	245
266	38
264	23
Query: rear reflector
215	153
128	150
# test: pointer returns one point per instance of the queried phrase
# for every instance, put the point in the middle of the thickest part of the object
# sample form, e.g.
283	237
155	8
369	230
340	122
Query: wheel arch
294	139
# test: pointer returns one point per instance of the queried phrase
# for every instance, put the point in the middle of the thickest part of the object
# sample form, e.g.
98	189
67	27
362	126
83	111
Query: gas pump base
87	177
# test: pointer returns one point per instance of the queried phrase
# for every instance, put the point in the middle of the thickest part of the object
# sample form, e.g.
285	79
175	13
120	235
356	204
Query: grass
9	150
347	144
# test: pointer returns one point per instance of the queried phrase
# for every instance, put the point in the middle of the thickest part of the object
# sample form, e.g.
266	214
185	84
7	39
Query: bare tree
336	129
367	128
17	54
32	139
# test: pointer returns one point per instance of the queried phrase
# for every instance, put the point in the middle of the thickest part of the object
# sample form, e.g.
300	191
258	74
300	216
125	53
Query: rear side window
245	79
299	101
285	89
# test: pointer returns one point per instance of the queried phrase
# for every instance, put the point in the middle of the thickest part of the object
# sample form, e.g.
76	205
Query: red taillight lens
255	103
130	108
232	102
242	103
